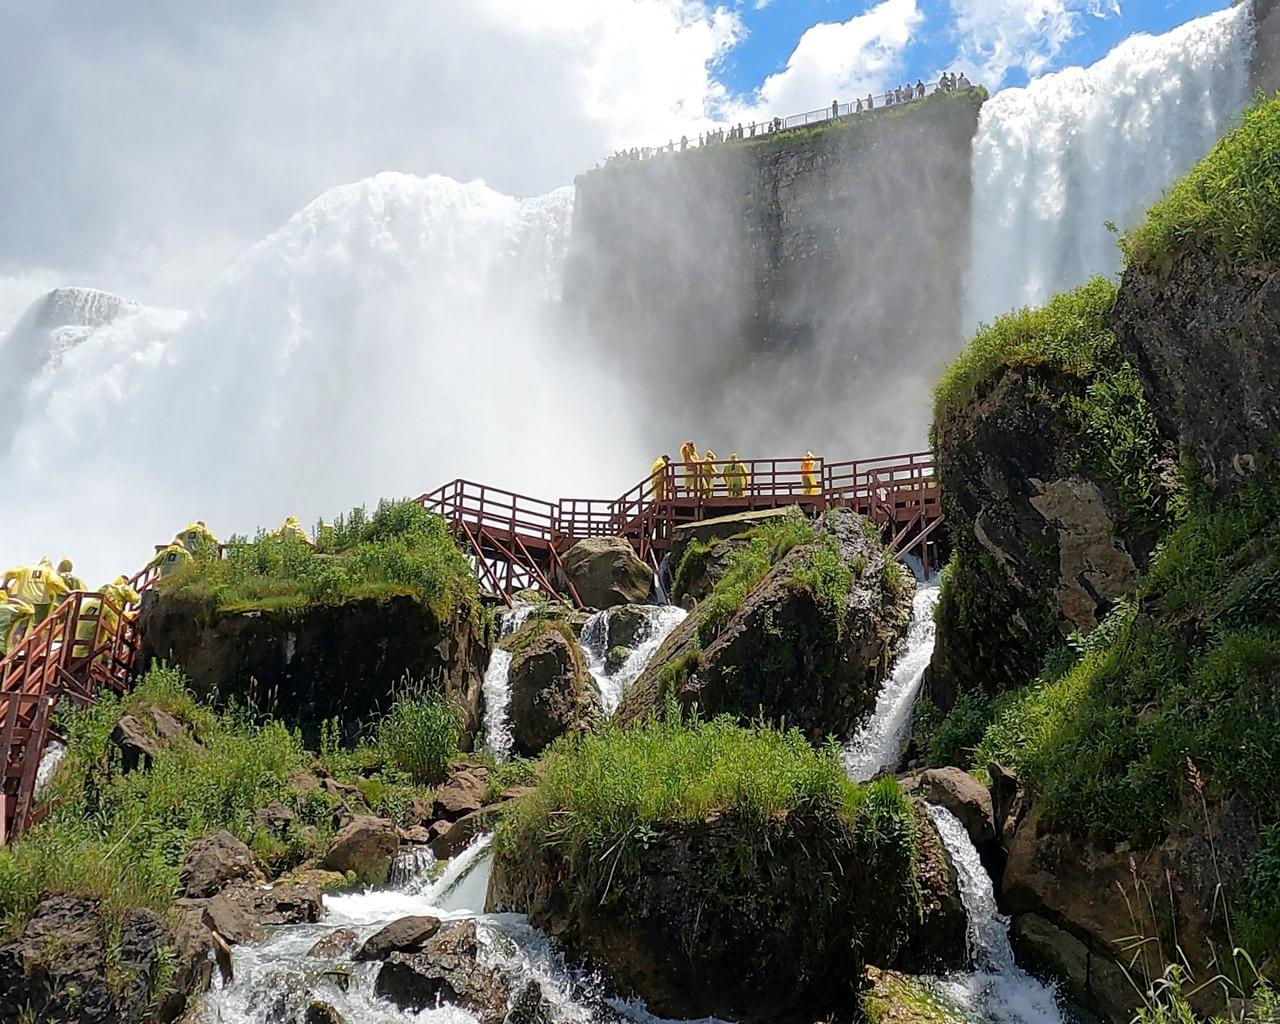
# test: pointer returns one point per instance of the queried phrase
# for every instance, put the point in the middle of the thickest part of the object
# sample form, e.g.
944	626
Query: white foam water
661	619
1054	161
880	741
996	989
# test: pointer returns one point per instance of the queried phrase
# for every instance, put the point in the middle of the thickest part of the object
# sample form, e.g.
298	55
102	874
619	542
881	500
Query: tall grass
419	734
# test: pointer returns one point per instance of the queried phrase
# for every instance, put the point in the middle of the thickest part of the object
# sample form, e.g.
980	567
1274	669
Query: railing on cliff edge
516	542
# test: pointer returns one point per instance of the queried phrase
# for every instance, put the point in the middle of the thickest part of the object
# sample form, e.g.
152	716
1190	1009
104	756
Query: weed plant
419	734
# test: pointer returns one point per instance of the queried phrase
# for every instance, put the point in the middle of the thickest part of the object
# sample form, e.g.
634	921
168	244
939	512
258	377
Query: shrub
1230	199
419	734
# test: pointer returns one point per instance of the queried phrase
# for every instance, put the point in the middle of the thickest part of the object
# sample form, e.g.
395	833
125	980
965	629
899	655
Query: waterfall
879	743
49	761
660	621
1054	161
997	989
497	684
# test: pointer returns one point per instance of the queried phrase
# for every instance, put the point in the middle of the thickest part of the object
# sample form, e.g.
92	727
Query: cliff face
1264	71
740	271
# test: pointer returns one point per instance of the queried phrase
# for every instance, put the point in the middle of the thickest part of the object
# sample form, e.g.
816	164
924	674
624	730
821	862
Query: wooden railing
88	644
516	541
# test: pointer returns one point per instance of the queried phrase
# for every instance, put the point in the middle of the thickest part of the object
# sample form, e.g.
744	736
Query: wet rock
965	797
325	881
529	1006
193	960
242	913
57	969
891	997
319	1012
458	835
406	935
341	942
447	970
628	625
790	651
552	693
232	920
342	660
1204	337
462	791
940	939
364	846
616	658
213	861
1094	981
606	572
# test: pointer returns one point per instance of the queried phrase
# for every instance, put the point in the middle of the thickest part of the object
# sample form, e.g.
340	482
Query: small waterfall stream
879	743
662	619
997	989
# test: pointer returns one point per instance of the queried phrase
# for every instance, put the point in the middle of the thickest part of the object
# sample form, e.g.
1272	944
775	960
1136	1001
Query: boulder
141	736
58	966
242	913
696	928
1097	893
320	662
193	960
606	572
790	651
445	971
891	997
552	692
1204	337
341	942
462	791
365	846
1095	981
405	935
320	1012
965	797
275	817
451	841
213	861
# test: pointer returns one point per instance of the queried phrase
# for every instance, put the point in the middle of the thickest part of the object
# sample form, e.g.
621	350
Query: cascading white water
661	619
497	684
1054	161
997	989
879	743
49	762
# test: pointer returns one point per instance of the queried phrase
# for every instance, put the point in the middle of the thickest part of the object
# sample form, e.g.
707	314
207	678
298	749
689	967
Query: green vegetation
400	549
419	734
901	999
601	799
121	836
1230	199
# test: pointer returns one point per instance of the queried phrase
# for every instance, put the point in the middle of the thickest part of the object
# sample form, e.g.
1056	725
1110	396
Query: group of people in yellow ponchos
28	593
701	472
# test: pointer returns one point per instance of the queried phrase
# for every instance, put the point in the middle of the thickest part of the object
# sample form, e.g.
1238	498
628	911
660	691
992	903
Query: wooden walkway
516	542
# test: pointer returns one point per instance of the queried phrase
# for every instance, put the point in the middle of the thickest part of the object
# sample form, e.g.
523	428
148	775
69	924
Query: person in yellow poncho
67	571
38	585
293	528
809	473
689	456
15	617
658	477
736	477
170	559
195	537
707	475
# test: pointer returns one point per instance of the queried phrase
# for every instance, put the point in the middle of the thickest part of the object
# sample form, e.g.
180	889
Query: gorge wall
810	271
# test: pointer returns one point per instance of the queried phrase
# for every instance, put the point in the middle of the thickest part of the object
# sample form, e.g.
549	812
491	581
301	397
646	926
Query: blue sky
774	30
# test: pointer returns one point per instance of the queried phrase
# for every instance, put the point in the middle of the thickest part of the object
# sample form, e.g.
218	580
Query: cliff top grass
401	549
612	789
1230	199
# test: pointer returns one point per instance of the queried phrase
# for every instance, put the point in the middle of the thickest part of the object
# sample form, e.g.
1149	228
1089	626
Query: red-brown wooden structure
517	542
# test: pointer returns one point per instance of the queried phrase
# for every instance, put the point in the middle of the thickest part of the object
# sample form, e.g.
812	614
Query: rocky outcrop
404	935
1205	339
365	846
321	662
965	797
142	734
57	968
1043	545
698	929
791	650
1264	67
552	692
606	572
1078	904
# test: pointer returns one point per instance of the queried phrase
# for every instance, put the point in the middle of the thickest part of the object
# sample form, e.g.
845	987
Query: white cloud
839	60
997	36
151	145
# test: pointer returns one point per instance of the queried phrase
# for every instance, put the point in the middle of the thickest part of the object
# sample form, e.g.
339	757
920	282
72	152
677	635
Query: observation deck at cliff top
516	541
